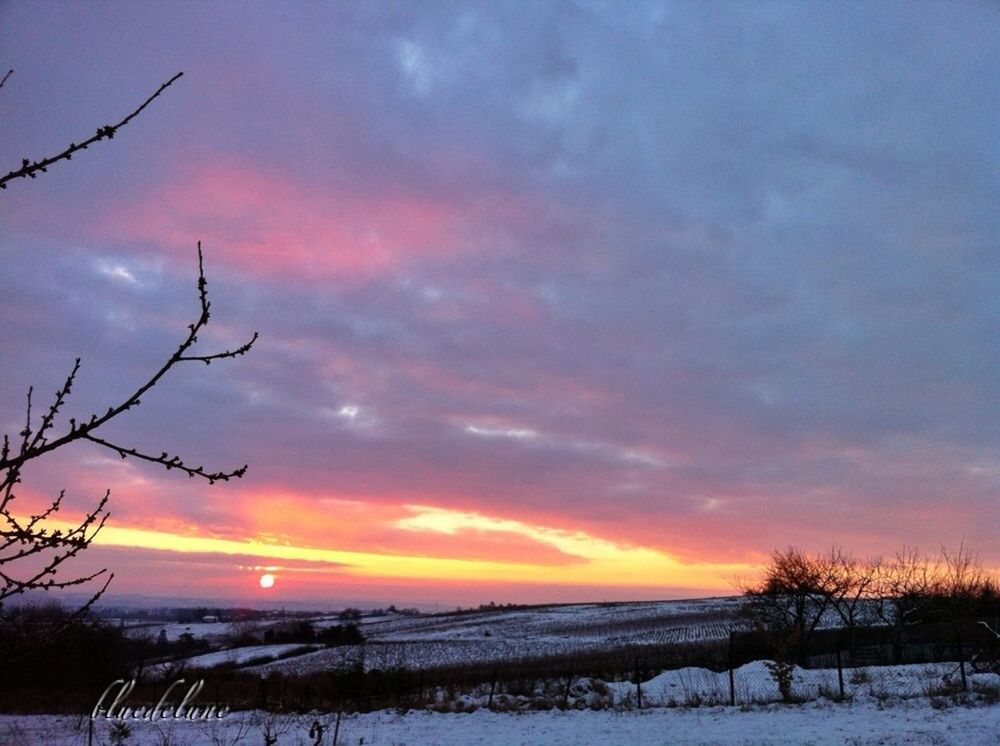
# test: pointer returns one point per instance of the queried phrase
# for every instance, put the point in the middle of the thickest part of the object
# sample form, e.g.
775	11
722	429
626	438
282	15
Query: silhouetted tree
799	593
31	551
793	596
852	591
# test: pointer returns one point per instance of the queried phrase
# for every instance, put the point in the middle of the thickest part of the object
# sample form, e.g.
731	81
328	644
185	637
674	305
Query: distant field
482	637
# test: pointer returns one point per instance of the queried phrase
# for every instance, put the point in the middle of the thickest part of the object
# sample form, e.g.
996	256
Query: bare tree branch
20	542
170	462
32	552
31	449
30	540
31	168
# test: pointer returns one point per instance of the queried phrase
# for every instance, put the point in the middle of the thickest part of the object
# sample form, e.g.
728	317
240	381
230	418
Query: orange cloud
384	527
596	561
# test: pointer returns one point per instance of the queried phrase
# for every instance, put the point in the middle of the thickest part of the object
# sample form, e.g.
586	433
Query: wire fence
746	668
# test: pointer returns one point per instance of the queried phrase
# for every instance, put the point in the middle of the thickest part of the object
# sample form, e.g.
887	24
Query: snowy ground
199	630
914	704
245	654
419	654
910	722
515	634
754	684
494	635
623	622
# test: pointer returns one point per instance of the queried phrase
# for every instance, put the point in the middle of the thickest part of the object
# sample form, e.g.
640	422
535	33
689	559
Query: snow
908	721
504	635
914	704
244	654
754	684
198	630
487	636
423	654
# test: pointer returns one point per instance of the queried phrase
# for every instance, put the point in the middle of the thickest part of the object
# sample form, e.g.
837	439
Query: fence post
493	688
840	668
961	657
732	678
336	728
638	683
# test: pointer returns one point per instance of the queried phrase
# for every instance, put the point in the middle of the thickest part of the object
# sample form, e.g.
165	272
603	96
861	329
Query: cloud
267	223
701	279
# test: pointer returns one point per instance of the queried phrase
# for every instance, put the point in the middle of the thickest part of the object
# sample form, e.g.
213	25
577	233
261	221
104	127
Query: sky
557	301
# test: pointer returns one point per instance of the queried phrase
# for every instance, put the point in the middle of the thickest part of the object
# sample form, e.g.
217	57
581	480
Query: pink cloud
272	224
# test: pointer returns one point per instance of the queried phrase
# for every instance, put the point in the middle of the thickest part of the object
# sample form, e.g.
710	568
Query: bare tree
792	598
852	590
903	590
799	593
912	589
964	587
32	553
25	538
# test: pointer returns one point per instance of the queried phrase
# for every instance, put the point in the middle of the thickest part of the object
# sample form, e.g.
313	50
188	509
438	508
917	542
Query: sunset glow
593	561
554	300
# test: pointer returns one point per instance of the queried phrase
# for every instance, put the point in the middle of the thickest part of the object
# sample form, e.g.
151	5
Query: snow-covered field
625	622
494	636
243	655
422	654
209	631
911	722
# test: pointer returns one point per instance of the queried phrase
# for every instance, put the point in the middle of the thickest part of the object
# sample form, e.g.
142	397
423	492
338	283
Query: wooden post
732	677
493	688
840	669
961	658
638	684
336	728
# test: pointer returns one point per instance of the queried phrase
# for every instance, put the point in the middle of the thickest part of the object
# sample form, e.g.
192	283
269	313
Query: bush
782	673
860	676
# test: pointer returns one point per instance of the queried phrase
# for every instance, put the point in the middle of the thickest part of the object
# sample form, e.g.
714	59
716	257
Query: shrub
860	676
782	673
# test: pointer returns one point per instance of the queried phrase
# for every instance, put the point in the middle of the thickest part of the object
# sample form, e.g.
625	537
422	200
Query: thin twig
47	548
86	428
31	168
169	462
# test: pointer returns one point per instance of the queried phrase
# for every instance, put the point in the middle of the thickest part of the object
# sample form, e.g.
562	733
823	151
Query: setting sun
266	580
